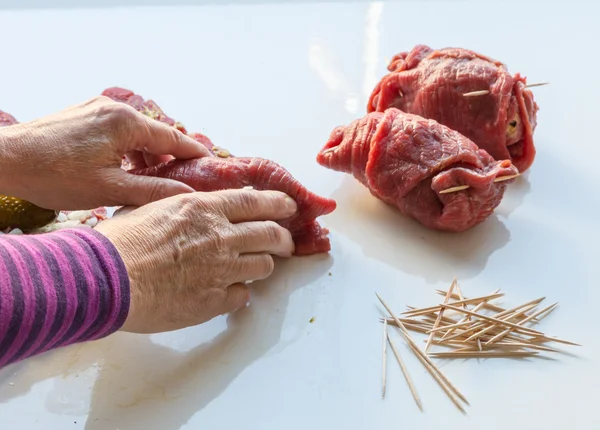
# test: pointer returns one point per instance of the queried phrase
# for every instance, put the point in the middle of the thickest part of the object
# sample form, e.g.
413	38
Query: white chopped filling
92	222
75	219
79	215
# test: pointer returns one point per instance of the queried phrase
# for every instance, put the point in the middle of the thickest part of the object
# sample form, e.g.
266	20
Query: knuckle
100	100
222	252
250	201
115	115
274	232
113	188
288	237
122	113
197	206
155	191
189	202
267	265
240	294
177	136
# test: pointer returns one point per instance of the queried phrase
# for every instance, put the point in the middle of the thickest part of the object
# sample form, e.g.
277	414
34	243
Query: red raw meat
431	83
213	174
152	110
147	107
7	119
406	160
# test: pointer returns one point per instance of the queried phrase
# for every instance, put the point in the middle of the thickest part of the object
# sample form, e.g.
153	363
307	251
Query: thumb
237	297
138	190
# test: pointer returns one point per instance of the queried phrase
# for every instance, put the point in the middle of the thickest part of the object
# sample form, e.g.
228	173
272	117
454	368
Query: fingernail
291	204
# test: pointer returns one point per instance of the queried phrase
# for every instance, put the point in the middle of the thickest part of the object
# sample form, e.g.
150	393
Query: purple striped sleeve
57	289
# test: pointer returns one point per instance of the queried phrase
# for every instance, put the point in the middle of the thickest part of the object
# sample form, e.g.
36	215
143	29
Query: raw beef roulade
432	83
407	160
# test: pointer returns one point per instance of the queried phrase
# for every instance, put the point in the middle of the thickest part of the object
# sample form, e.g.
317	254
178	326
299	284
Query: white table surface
272	80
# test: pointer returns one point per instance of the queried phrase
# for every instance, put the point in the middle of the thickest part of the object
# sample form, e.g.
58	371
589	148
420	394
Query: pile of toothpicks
467	328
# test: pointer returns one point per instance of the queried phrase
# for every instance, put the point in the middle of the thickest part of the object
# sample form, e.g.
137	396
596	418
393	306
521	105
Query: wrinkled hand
71	160
188	256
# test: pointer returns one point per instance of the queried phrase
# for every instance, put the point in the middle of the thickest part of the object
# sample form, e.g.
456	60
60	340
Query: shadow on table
141	384
514	196
388	236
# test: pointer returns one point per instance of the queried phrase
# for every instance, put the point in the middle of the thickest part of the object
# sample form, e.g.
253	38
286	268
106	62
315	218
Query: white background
272	80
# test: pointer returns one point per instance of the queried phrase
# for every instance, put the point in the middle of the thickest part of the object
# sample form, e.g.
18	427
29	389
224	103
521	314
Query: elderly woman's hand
71	160
188	256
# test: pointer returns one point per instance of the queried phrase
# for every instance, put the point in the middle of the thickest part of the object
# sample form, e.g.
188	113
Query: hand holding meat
72	160
214	174
226	171
188	256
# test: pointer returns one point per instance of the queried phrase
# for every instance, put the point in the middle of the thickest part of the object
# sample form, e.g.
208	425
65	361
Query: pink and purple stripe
57	289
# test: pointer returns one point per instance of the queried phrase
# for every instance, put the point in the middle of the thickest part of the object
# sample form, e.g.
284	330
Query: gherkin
19	213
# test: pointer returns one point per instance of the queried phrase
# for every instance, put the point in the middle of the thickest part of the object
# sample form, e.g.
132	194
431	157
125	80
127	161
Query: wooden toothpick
430	309
409	381
466	187
483	304
384	359
439	318
487	305
541	84
529	318
495	320
476	93
484	354
486	92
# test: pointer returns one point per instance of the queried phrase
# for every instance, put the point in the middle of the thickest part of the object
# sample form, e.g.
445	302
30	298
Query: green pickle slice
21	214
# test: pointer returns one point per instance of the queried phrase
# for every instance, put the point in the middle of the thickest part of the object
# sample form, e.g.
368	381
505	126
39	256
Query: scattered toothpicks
468	328
433	370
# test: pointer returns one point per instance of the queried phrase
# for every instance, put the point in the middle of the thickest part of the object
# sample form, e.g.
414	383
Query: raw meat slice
151	109
7	119
147	107
431	83
213	174
406	160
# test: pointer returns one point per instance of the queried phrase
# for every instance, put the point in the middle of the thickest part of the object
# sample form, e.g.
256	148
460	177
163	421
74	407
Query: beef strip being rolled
406	160
228	172
213	174
431	83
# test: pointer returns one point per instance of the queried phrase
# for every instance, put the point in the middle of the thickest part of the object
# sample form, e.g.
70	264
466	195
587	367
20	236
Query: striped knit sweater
57	289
